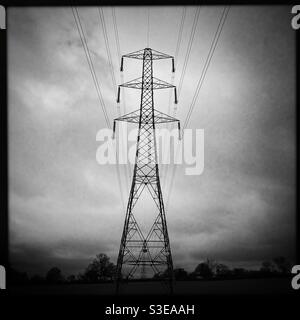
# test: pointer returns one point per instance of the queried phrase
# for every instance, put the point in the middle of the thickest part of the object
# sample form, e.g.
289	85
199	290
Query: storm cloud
64	208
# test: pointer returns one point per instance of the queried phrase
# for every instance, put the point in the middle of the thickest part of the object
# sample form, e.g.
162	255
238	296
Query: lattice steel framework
150	249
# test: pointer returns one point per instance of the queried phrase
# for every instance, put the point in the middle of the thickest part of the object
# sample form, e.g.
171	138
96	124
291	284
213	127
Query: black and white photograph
117	188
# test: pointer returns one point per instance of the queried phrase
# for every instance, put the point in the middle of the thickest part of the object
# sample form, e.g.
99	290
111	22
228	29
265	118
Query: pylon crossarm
134	117
161	84
156	55
135	55
130	117
160	117
140	55
134	84
149	86
138	83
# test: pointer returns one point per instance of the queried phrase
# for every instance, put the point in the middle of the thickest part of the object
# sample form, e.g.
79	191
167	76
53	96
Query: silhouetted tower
150	249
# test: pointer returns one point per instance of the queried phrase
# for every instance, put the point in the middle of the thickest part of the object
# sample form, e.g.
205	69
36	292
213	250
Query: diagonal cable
90	63
199	85
189	48
127	168
97	86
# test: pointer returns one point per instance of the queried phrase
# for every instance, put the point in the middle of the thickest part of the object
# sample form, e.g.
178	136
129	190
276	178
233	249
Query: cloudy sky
64	208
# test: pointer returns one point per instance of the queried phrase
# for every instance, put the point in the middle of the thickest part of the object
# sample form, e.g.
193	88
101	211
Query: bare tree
99	269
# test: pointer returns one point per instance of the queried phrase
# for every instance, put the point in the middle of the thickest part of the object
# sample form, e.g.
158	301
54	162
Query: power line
116	33
115	24
114	82
119	178
128	171
199	85
148	28
95	79
207	62
172	177
186	60
190	44
177	49
179	38
90	63
180	34
102	21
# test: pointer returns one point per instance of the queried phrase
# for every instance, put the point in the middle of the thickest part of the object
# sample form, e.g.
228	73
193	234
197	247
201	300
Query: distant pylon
150	249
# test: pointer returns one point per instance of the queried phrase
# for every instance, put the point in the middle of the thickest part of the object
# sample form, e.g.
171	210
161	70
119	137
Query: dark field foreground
238	286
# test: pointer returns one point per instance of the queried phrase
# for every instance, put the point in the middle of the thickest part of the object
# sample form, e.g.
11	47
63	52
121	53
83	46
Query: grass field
238	286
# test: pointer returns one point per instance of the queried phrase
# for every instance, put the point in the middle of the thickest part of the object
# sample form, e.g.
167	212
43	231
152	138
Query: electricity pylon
149	249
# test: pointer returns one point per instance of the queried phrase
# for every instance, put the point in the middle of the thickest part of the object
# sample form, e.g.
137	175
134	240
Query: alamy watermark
2	278
296	279
188	151
295	22
2	18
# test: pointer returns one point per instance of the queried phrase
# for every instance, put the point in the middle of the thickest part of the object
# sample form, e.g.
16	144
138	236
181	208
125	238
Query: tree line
101	269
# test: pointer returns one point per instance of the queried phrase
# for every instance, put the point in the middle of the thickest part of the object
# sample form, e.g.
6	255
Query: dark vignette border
214	305
4	152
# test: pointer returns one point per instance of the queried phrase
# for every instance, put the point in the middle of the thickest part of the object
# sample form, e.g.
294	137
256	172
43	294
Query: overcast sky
64	208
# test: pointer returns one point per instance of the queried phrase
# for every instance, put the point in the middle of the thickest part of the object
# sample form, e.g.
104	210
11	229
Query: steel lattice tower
149	249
